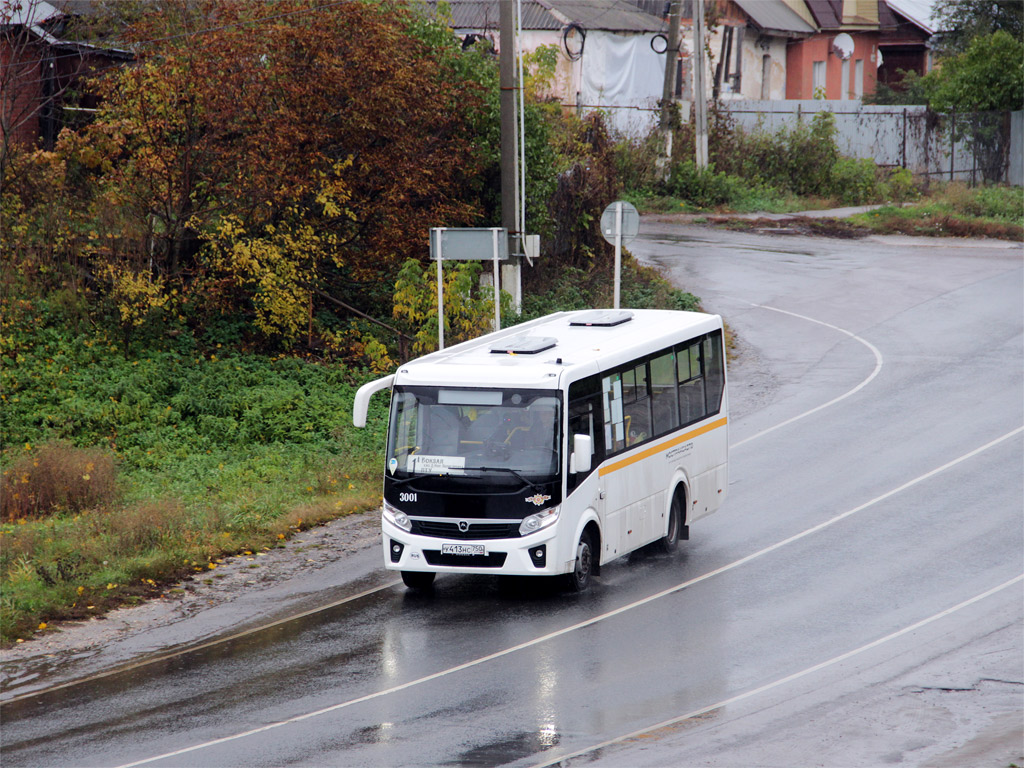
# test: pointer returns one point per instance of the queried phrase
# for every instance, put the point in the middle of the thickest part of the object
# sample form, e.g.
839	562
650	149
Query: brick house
840	61
906	46
39	70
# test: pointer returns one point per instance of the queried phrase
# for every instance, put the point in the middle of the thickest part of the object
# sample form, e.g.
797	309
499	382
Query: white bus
555	446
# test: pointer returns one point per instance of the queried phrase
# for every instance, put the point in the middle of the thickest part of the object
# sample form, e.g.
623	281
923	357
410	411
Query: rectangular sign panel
468	243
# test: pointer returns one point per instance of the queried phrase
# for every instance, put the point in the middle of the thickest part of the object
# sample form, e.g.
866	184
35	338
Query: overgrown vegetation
955	210
774	172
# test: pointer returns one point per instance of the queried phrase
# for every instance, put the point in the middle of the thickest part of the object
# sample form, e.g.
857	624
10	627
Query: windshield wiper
420	476
514	473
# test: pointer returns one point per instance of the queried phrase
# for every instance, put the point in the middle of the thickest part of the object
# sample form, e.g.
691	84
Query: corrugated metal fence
971	148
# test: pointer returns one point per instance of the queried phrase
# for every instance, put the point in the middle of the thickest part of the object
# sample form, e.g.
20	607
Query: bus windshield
513	433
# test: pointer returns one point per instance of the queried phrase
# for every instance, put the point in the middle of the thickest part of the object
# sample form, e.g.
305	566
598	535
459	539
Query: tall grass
956	210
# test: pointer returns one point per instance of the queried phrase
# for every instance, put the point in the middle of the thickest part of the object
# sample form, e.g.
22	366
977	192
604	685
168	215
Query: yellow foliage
135	294
469	312
279	262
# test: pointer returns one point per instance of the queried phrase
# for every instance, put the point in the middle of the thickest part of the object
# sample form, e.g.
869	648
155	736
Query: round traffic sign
630	222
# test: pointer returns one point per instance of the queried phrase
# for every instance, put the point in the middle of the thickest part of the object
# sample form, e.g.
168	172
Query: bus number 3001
407	497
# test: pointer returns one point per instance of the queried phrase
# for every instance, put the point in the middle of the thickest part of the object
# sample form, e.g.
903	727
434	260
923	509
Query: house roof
29	14
605	15
775	16
917	12
864	14
37	16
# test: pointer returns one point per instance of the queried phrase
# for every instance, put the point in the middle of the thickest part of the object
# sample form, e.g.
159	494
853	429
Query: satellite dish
842	46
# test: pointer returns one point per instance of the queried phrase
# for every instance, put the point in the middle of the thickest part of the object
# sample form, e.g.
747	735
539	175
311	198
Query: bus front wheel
578	579
418	579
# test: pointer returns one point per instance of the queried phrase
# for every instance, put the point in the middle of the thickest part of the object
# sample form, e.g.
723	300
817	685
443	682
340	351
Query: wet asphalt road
869	555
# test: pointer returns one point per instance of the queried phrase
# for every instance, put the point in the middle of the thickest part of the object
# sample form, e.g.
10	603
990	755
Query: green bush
855	182
703	188
997	202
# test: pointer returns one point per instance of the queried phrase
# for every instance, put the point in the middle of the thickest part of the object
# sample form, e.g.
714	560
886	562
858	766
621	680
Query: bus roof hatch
523	345
604	318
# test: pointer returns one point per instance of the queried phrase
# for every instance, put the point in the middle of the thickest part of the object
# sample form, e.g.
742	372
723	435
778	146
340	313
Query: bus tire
420	580
578	579
670	541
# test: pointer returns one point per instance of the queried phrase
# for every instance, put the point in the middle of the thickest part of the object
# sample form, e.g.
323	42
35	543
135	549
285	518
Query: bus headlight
538	522
397	517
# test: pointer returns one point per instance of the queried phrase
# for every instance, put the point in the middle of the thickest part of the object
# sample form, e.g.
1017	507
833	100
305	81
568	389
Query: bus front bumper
532	555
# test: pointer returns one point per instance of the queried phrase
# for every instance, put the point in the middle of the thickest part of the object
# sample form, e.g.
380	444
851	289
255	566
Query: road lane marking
583	624
855	390
784	680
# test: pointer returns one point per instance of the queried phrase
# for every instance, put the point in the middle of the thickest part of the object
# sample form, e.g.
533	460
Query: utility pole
668	93
700	102
507	104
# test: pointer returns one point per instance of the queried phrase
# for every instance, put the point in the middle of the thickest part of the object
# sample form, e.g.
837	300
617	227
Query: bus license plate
462	549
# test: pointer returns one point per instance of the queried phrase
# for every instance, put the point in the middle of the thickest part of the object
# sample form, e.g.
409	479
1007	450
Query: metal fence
972	147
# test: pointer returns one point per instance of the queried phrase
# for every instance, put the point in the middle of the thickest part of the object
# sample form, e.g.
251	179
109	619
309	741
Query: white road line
784	680
582	624
855	390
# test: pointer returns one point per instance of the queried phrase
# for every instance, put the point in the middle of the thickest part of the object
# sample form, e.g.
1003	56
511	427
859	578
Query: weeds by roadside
955	210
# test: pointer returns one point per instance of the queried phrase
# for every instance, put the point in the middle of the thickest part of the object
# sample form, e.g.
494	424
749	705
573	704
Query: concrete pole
510	271
700	102
668	93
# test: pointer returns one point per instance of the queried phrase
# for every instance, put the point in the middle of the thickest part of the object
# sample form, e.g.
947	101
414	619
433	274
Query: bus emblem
463	526
538	499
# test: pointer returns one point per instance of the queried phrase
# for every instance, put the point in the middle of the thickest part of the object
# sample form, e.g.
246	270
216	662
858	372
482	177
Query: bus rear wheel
418	579
578	579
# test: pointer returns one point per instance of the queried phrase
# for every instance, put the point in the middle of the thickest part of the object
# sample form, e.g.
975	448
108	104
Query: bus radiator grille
475	531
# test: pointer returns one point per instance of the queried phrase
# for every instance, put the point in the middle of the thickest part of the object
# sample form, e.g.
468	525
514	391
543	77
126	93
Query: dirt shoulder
243	592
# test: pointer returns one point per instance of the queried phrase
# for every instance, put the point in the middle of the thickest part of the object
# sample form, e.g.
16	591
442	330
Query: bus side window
714	372
664	395
637	405
614	417
584	419
691	384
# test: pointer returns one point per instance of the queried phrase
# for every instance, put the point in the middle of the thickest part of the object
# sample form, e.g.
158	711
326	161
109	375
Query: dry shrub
147	525
58	476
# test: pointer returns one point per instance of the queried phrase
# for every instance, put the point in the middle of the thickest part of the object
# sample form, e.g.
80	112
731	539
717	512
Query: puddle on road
673	239
508	750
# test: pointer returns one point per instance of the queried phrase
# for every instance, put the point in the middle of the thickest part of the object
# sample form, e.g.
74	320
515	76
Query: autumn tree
961	21
289	147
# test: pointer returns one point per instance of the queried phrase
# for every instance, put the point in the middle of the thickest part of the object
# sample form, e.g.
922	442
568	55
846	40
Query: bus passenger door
587	489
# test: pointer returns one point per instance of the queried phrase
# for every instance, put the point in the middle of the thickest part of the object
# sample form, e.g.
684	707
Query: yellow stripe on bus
645	454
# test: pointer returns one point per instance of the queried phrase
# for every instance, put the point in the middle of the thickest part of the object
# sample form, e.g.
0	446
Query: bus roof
562	346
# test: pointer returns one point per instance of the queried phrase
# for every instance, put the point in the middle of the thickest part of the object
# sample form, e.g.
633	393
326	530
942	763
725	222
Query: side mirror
363	395
582	453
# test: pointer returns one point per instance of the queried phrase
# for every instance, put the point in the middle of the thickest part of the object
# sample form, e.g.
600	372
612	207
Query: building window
858	78
818	73
844	92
